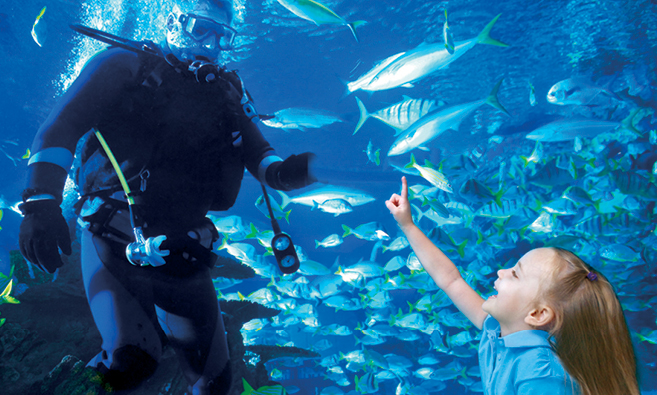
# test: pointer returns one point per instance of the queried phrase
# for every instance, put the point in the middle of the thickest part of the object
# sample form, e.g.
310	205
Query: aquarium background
391	332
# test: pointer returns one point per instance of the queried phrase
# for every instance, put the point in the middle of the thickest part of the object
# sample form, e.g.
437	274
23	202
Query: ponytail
590	334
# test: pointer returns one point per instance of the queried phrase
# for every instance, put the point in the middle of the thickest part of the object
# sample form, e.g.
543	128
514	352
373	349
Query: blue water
289	62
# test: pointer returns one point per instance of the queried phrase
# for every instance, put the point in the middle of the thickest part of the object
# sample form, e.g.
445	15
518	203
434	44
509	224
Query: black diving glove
296	171
43	229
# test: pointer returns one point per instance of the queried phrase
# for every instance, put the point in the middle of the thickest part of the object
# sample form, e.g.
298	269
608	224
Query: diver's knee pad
130	366
219	385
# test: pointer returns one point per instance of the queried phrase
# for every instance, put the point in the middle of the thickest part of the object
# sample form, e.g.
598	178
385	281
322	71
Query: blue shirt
520	363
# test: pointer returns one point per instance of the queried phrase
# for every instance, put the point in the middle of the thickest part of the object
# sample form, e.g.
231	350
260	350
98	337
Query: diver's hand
295	171
399	206
43	230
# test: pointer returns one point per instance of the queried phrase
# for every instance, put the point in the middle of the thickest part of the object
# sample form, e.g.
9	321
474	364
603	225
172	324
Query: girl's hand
399	206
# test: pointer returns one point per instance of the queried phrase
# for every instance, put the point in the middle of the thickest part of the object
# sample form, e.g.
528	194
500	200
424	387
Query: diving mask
199	28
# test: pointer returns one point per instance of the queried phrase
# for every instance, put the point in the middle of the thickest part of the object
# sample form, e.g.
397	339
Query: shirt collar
526	338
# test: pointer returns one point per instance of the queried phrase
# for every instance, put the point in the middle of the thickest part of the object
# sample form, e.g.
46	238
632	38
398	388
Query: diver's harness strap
109	217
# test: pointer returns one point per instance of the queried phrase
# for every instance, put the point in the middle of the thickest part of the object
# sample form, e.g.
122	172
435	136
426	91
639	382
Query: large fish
398	116
300	118
571	128
318	13
320	195
364	79
435	123
424	60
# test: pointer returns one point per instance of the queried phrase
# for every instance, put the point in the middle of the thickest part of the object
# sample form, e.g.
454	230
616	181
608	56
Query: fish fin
377	155
627	122
412	163
363	115
461	248
408	85
347	231
315	205
285	199
423	148
287	216
484	37
353	25
492	98
253	233
398	131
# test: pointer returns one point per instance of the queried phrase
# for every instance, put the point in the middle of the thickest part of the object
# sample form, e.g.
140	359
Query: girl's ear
539	317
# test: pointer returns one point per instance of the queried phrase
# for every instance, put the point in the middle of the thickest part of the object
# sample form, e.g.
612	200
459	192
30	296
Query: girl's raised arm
441	269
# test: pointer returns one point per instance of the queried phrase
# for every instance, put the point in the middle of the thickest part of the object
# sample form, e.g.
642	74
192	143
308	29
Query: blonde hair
589	332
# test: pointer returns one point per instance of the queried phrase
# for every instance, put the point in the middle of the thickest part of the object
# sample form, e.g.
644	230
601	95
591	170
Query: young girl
554	327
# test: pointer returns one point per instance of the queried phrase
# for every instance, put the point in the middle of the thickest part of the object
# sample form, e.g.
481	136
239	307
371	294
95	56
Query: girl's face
517	289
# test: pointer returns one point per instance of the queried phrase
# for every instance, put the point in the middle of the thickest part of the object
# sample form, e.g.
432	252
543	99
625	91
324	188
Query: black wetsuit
185	144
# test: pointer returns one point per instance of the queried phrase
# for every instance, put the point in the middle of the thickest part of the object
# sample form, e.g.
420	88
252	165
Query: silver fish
327	192
424	60
571	128
398	116
300	118
576	91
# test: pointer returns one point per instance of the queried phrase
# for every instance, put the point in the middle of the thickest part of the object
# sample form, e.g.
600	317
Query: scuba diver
165	134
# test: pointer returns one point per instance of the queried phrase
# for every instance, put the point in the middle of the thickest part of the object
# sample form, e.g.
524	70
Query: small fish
367	384
576	91
448	37
619	253
372	155
370	231
300	118
5	296
334	206
333	240
327	192
318	13
39	28
264	390
435	177
536	155
532	95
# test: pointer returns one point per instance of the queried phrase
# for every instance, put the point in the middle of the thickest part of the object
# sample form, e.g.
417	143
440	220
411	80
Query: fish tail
627	122
492	98
223	244
347	231
377	157
418	212
287	216
363	115
353	25
412	163
525	161
485	38
285	199
461	248
316	244
253	233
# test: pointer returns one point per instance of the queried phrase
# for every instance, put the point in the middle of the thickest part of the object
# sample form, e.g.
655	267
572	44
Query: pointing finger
404	191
